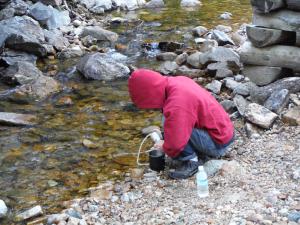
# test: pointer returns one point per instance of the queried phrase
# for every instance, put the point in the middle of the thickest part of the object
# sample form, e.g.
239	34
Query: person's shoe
172	163
186	170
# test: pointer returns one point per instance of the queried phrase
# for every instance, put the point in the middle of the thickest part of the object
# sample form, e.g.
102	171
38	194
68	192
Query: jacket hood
147	89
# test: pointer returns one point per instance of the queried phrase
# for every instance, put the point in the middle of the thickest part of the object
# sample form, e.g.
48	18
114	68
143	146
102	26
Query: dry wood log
293	4
266	6
276	56
283	20
262	37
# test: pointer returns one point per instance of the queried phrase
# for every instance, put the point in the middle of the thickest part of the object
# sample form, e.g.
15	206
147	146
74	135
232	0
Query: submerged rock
17	119
99	33
99	66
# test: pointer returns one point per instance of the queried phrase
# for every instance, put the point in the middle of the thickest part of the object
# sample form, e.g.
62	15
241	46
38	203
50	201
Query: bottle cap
201	168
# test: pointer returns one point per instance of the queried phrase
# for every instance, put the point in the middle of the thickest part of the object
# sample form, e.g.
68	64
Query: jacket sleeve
178	128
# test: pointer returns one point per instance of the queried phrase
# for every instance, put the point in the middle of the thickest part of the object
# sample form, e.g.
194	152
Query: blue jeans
202	145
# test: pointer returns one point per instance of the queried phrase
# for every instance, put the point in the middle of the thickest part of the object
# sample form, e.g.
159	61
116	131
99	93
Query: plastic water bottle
202	183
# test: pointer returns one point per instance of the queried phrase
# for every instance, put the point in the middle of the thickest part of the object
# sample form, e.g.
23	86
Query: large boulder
11	57
219	54
99	66
21	73
99	33
22	33
56	39
260	94
49	16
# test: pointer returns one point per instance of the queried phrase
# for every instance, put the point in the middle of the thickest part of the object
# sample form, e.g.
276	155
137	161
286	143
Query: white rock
35	211
3	209
190	3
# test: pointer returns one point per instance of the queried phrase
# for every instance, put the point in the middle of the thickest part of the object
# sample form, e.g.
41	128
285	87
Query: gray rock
20	7
223	28
155	4
229	106
3	207
199	40
190	3
7	13
166	56
292	116
56	218
22	33
199	31
99	33
239	78
260	115
295	99
194	60
226	16
181	59
214	86
207	45
49	16
251	130
260	94
17	119
54	3
21	73
192	73
231	84
219	70
88	41
242	89
99	66
277	101
55	37
221	38
168	67
73	52
35	211
219	54
296	174
73	213
10	57
211	167
241	103
129	4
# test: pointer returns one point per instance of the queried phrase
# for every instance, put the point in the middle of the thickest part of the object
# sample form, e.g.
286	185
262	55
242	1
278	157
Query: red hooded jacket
185	106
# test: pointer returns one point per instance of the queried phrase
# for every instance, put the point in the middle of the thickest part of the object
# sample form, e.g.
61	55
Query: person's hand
158	145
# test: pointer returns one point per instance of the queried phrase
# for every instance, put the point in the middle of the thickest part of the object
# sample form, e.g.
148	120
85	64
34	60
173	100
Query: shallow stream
47	163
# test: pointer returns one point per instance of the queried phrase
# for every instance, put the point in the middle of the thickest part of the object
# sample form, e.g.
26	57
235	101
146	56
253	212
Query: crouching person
195	124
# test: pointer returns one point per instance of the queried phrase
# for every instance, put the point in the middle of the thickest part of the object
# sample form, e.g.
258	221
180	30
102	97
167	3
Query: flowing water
47	163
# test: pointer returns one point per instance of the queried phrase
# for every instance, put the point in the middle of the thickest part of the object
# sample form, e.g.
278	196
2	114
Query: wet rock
199	31
89	41
166	56
35	91
3	209
223	28
190	3
56	38
219	54
181	59
155	4
192	73
194	60
99	33
222	38
241	103
277	101
226	16
17	119
89	144
11	57
168	67
99	66
292	116
219	70
35	211
22	33
57	218
260	115
214	86
73	52
65	101
169	46
260	94
21	73
49	16
228	105
213	166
